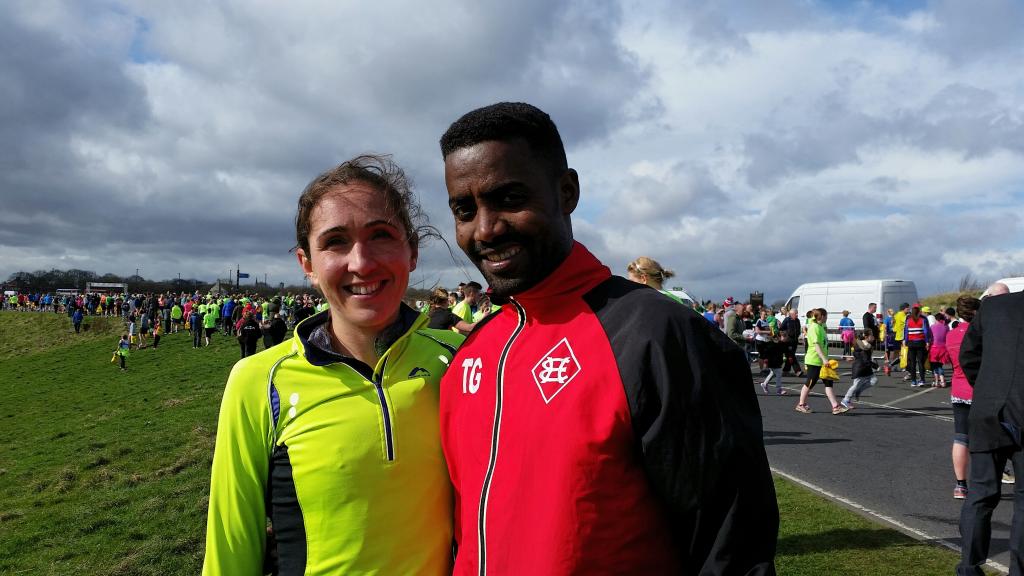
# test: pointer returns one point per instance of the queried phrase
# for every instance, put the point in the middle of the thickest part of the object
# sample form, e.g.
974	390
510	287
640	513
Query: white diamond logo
555	370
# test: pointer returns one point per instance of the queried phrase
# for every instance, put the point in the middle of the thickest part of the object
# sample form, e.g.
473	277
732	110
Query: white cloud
747	146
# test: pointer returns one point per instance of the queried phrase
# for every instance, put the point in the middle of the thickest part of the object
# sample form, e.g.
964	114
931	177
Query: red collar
578	274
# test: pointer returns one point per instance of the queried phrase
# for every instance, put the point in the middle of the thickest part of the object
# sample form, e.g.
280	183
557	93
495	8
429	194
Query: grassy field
106	472
939	302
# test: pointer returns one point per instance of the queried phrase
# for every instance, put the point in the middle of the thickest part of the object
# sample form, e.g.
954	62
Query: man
869	321
992	359
899	322
467	307
791	330
592	425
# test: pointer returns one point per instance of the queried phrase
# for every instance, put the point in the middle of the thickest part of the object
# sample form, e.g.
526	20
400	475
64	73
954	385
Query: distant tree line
50	280
44	281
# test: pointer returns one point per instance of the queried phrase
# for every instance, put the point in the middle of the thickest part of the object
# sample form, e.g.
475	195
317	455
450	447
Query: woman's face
359	256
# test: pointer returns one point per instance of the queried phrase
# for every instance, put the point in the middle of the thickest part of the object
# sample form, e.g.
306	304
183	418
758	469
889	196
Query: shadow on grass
842	539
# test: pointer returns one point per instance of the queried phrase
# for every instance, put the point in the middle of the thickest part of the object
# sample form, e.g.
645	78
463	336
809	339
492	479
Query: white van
1015	284
852	295
682	295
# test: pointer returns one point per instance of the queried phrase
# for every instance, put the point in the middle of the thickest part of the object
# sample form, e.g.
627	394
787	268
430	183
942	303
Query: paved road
890	456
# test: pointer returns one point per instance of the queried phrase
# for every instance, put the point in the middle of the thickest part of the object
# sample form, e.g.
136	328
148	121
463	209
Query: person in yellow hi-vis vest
899	321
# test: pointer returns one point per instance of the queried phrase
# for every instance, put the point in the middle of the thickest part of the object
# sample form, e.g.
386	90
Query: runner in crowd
814	358
992	360
863	370
648	271
937	354
335	438
917	337
441	317
791	331
124	346
961	393
847	333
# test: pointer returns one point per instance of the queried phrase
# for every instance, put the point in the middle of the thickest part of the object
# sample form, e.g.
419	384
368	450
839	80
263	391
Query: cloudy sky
746	145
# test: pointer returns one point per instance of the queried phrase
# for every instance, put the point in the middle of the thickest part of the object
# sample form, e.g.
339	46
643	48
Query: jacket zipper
499	384
389	438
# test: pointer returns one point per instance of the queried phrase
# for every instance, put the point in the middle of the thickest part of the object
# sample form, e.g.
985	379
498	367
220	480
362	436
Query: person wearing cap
927	311
917	337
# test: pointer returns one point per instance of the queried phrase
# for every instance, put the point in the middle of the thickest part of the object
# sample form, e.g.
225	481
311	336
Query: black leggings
813	375
915	360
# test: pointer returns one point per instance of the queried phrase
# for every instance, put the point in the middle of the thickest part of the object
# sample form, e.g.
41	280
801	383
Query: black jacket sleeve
698	428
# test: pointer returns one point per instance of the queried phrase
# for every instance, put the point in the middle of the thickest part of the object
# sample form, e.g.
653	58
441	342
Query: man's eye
382	235
463	213
335	241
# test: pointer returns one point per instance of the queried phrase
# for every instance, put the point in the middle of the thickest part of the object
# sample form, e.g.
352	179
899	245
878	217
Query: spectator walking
248	331
917	338
869	322
961	393
992	359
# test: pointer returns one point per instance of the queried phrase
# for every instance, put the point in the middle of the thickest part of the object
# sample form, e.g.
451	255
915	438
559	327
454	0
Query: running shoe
782	392
845	404
840	409
960	492
764	387
803	408
1008	478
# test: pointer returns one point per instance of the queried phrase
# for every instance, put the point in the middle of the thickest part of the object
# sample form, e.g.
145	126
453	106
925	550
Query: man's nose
490	224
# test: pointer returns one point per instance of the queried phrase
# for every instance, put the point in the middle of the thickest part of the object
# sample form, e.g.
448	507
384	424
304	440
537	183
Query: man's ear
569	191
415	257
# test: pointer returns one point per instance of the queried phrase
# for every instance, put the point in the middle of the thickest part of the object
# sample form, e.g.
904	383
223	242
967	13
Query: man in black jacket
992	358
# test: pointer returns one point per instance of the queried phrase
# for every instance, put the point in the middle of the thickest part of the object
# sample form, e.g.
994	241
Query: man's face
872	308
471	294
511	212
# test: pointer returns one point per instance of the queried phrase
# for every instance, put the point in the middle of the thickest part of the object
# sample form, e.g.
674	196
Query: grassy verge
107	472
819	537
25	333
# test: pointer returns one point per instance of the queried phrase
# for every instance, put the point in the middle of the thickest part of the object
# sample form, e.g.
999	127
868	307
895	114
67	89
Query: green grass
939	302
817	537
104	472
24	333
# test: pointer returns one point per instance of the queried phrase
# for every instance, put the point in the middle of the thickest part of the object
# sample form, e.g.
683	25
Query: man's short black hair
474	285
506	121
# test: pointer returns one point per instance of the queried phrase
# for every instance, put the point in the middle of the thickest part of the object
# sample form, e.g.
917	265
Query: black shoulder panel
697	425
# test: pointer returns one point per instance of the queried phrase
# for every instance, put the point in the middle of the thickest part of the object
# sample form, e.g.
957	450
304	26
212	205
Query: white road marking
909	530
796	389
914	395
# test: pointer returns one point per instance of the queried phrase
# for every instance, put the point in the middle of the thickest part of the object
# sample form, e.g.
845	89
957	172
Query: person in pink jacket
961	393
938	355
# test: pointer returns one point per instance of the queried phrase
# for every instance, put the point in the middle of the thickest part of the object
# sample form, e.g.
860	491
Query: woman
938	355
648	271
847	332
442	317
338	433
961	393
816	356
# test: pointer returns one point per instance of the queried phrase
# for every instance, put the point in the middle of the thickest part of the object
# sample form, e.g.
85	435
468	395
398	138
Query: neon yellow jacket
346	460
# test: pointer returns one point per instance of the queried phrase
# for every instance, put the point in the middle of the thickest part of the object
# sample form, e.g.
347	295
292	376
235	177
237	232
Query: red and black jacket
595	426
